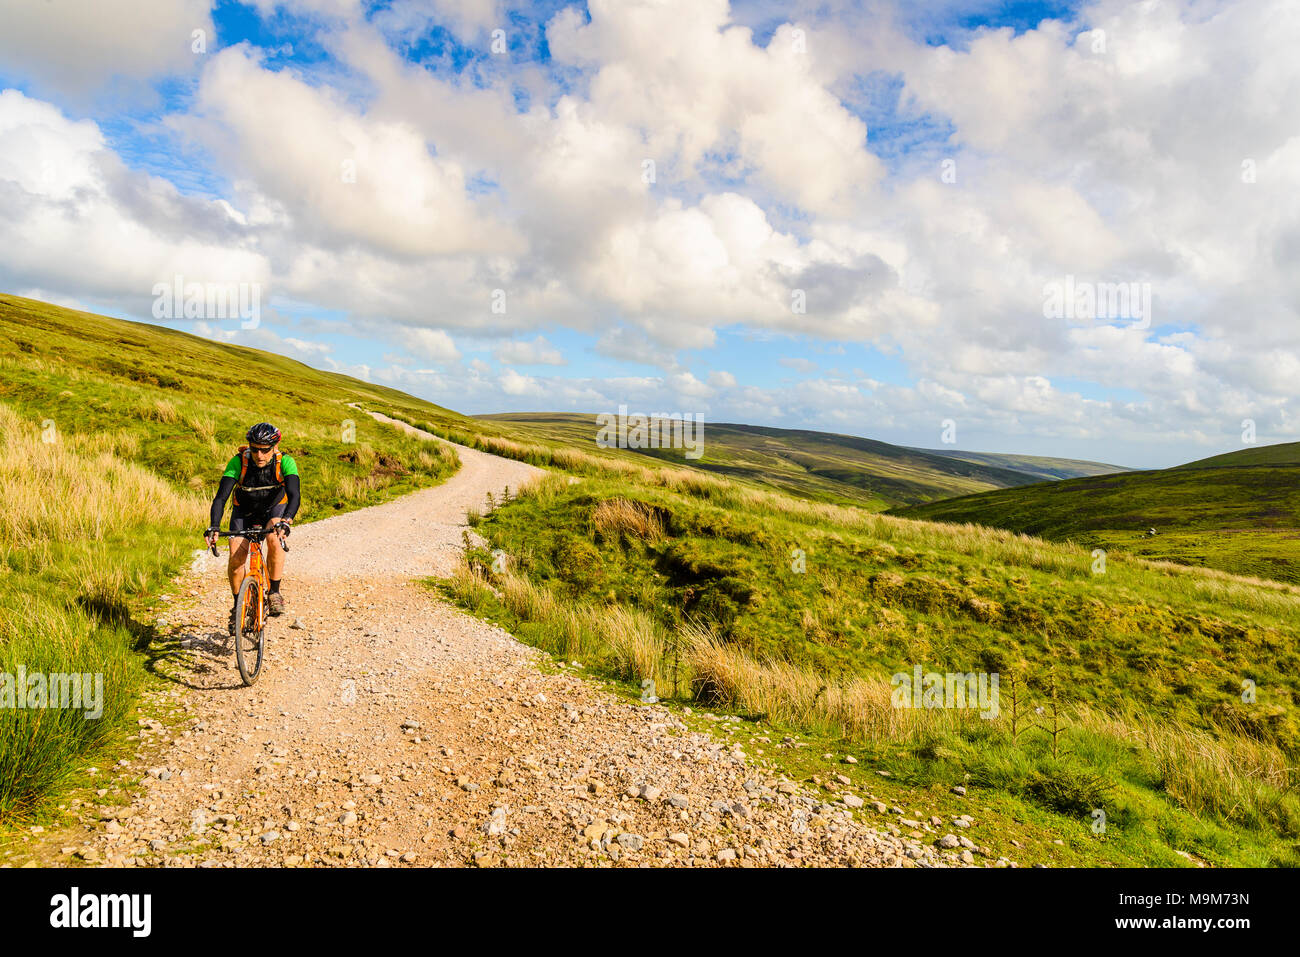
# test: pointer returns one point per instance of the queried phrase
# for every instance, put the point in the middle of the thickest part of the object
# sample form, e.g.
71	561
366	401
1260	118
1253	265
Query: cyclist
265	483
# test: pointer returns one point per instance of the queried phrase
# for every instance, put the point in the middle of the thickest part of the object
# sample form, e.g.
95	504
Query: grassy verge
1121	692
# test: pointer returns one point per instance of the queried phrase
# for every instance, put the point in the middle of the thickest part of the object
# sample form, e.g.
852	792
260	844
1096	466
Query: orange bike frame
257	568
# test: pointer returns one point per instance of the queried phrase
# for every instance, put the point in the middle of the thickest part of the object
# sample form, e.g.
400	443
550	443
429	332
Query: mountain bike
251	610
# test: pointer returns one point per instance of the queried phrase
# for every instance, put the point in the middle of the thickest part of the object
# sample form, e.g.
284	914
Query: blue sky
818	171
289	40
289	43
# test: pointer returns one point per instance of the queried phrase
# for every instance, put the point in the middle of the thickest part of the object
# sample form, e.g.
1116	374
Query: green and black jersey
260	492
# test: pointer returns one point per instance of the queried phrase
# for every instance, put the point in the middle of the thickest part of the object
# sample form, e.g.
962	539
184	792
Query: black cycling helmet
264	433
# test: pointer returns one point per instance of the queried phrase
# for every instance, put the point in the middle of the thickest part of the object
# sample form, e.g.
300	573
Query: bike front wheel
250	633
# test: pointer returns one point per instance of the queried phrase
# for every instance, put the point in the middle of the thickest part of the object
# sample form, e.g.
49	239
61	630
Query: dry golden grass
627	638
75	487
527	600
31	362
860	709
359	488
162	410
203	425
544	488
638	649
619	516
469	587
1203	773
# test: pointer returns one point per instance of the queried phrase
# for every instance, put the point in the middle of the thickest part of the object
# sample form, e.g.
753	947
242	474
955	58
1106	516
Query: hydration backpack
243	454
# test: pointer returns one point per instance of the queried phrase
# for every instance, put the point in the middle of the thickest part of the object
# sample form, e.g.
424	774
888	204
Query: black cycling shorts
242	520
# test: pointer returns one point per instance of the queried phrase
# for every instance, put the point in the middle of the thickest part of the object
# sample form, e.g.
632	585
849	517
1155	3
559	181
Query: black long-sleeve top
292	494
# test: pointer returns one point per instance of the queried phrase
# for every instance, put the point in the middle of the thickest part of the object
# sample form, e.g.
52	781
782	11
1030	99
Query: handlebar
258	534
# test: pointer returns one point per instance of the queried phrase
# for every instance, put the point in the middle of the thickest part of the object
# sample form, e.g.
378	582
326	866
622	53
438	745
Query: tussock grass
629	642
469	588
619	516
856	709
162	410
74	488
1232	777
637	648
72	574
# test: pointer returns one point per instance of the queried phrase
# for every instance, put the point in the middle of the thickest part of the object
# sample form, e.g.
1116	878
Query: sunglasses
261	448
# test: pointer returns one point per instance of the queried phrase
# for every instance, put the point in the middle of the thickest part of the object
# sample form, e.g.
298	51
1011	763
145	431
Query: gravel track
390	729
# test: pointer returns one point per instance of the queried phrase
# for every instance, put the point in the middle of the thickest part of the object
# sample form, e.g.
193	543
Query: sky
1057	228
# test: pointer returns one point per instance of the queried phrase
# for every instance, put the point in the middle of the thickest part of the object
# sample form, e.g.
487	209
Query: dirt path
391	729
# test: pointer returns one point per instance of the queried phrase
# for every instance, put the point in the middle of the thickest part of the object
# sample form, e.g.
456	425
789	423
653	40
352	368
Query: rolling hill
825	466
1041	467
1285	453
181	403
1238	512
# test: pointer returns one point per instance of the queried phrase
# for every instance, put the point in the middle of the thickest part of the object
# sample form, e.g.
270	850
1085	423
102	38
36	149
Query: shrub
1068	789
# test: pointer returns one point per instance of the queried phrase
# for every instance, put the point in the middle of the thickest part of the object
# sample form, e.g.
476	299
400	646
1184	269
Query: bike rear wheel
250	633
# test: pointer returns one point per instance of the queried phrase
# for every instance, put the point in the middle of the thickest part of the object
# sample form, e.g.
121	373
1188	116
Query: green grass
1243	519
1286	453
1147	661
114	436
